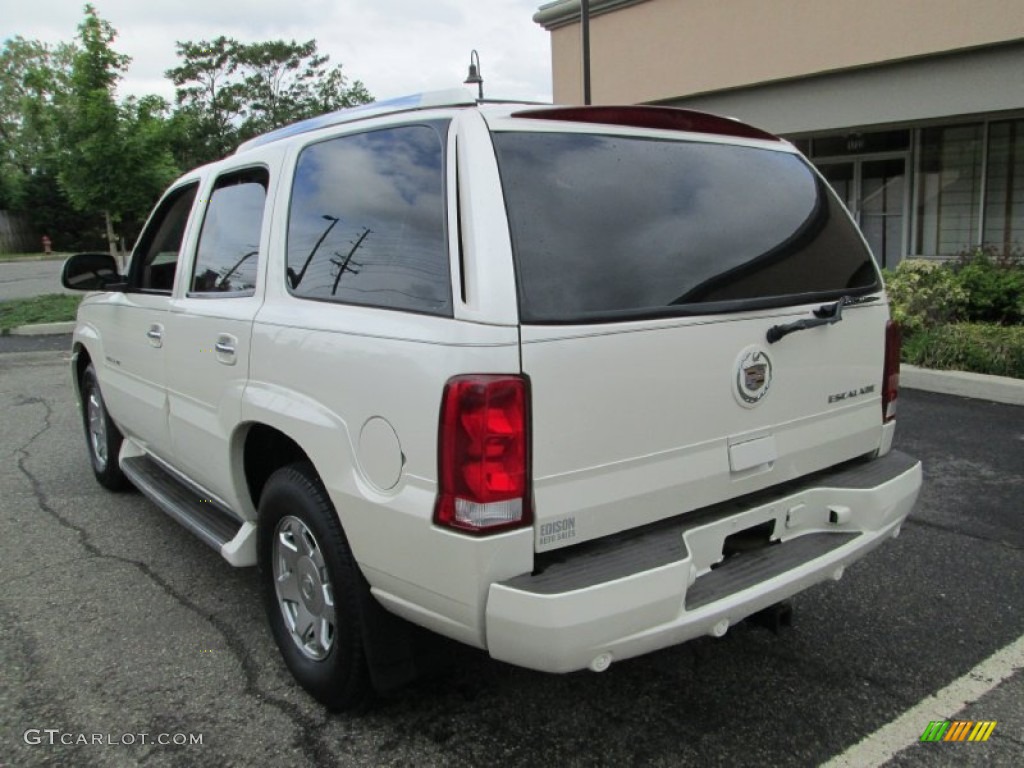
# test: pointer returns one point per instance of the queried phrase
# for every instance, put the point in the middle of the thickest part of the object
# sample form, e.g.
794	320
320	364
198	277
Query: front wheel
311	589
101	435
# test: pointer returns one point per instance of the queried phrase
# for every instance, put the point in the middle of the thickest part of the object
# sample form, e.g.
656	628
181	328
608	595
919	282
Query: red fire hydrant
46	244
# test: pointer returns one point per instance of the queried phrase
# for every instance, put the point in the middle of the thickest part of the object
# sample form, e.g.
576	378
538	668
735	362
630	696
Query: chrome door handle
225	348
155	335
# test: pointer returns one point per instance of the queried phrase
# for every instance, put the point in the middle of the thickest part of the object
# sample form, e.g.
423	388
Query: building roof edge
561	13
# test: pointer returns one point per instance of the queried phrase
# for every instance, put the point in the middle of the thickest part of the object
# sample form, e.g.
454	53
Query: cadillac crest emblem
753	376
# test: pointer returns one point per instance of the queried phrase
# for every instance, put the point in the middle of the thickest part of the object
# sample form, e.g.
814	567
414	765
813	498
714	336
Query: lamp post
585	29
474	73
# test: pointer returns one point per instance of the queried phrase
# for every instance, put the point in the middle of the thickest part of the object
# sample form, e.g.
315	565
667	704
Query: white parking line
905	730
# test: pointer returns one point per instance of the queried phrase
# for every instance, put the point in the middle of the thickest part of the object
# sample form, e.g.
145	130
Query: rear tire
312	589
102	437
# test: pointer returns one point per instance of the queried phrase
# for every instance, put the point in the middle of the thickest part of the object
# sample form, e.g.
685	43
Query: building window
949	179
1004	186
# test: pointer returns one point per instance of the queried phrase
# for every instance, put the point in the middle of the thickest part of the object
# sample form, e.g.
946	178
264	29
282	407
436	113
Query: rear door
209	344
650	272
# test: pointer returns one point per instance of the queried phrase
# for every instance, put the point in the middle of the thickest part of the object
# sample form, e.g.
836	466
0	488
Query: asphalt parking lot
115	621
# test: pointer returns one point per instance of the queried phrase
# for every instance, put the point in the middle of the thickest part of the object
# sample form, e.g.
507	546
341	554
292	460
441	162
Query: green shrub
923	294
977	347
993	280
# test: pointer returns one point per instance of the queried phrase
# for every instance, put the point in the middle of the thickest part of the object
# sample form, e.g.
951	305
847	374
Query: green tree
229	91
209	99
118	158
34	83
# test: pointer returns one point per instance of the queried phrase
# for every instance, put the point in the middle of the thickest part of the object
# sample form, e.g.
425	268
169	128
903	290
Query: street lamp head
474	73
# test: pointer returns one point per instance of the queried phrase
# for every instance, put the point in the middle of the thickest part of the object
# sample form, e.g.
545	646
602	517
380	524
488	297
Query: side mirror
92	272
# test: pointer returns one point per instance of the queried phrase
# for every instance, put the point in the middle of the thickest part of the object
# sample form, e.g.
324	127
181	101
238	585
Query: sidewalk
997	389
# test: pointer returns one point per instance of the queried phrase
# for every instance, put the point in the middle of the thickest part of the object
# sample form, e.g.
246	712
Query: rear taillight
891	371
483	454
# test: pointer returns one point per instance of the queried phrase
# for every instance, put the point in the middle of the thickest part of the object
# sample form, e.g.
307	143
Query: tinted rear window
367	221
608	227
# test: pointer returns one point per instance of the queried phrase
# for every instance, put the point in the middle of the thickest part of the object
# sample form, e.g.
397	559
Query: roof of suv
639	116
453	97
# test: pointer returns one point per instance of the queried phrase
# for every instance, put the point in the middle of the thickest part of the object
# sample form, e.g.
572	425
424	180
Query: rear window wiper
826	314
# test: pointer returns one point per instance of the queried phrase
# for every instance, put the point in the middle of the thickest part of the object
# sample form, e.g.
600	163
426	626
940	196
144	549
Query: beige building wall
659	49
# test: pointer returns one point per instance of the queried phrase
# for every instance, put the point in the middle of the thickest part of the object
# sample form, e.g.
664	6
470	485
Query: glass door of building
875	190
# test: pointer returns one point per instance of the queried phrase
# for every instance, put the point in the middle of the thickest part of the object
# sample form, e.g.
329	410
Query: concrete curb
998	389
43	329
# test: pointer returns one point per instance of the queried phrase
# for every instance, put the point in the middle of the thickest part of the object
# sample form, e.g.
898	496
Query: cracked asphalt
115	621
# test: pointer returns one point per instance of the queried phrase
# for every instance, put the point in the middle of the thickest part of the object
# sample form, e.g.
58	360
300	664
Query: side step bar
207	519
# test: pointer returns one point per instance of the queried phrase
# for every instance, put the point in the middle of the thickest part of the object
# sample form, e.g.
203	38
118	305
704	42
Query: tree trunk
112	239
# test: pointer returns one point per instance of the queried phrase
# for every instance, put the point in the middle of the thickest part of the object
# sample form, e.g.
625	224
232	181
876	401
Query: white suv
569	384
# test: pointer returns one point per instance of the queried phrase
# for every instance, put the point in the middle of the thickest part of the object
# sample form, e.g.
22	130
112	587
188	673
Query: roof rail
451	97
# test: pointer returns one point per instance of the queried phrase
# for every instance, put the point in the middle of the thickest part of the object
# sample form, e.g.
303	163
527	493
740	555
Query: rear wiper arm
826	314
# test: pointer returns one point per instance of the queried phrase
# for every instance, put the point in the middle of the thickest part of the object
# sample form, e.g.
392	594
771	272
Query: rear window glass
605	227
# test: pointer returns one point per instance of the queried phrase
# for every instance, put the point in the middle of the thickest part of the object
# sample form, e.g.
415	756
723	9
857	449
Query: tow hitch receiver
774	617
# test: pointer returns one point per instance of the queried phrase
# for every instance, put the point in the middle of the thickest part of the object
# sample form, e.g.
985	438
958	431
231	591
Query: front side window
611	227
367	221
156	256
228	253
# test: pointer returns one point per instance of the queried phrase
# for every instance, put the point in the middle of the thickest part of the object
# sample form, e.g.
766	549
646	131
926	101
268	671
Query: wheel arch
80	360
263	449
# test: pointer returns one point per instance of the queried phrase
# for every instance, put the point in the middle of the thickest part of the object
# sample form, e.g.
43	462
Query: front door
135	325
875	190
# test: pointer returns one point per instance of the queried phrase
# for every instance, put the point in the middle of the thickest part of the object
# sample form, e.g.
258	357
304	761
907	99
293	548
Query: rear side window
606	227
229	242
367	221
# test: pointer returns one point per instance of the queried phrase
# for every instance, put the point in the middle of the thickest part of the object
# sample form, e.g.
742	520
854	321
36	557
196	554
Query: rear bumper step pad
745	570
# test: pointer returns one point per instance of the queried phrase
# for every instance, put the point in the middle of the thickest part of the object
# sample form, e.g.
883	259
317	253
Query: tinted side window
227	256
367	221
607	227
156	255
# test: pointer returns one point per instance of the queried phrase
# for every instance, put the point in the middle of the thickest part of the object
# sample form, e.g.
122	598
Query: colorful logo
753	376
958	730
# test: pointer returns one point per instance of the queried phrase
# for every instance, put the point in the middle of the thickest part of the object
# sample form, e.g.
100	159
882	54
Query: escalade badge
753	376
